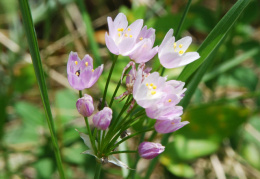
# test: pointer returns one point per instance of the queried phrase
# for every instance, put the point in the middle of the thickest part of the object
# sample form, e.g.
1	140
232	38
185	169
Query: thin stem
92	140
128	137
125	151
108	80
180	26
37	64
117	87
97	170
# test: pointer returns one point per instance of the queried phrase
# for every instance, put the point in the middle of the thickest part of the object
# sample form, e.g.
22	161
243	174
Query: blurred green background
223	137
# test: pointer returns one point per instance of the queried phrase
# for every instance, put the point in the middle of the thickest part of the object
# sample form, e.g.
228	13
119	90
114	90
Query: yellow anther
126	35
153	92
76	62
77	73
86	63
154	87
128	29
151	84
174	45
181	52
141	38
119	34
130	36
170	100
147	84
93	70
180	45
120	29
172	123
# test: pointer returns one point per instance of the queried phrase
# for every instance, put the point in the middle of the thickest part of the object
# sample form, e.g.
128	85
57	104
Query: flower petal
185	42
189	57
170	60
111	45
166	38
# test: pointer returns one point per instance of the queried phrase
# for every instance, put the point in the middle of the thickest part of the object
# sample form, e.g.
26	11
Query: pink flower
168	126
102	119
122	38
143	51
172	54
81	74
85	105
149	150
148	91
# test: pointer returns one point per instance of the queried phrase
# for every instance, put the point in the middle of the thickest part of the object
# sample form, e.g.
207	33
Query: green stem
97	170
125	151
180	25
117	87
128	137
92	140
37	64
108	80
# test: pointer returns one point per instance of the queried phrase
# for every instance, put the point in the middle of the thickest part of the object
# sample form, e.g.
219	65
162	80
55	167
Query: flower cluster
158	97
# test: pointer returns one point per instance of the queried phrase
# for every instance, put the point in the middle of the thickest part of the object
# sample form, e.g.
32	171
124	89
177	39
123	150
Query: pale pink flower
168	126
81	74
172	54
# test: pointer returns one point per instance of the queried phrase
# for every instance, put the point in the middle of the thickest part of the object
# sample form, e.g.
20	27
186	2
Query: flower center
77	73
179	49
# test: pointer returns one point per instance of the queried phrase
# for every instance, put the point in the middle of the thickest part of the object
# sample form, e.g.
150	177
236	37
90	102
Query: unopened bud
102	119
85	105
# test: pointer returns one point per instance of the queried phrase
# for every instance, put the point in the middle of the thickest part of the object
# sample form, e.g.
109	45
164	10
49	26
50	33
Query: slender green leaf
36	59
230	64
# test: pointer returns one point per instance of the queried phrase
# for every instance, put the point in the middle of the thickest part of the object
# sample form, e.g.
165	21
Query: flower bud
149	150
102	119
85	105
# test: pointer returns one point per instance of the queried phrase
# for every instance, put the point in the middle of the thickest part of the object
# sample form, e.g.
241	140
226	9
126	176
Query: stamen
172	123
149	87
119	34
146	84
153	92
76	62
181	52
93	70
154	87
174	45
170	100
180	45
130	36
126	35
128	29
120	29
151	84
86	64
141	38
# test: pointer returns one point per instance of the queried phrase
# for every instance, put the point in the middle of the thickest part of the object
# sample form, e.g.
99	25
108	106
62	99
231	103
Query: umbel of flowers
157	96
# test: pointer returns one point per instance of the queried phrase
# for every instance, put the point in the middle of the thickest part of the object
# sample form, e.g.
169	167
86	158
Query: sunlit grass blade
214	38
90	32
36	59
206	51
230	64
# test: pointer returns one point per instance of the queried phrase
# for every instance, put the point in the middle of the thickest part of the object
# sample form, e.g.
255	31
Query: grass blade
90	32
36	59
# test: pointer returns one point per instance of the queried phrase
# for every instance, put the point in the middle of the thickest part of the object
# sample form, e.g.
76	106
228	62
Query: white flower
172	54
